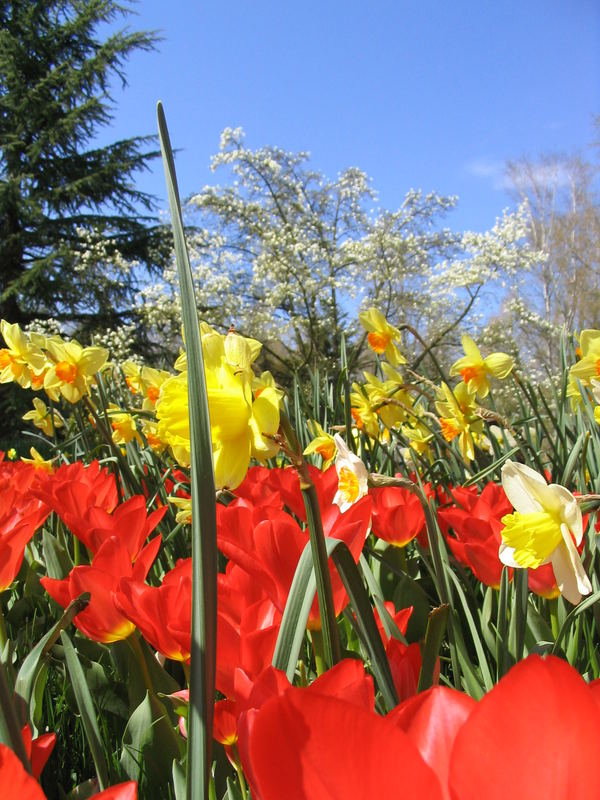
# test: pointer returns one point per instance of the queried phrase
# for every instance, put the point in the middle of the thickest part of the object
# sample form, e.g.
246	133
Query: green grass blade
204	526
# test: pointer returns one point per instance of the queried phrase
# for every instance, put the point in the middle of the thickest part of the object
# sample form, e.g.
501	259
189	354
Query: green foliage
72	240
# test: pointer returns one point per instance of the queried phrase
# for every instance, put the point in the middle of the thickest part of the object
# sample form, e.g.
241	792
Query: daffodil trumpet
546	527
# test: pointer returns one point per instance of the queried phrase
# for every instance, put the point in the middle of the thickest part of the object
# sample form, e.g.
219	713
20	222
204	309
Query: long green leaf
86	710
299	602
204	526
436	626
10	727
32	673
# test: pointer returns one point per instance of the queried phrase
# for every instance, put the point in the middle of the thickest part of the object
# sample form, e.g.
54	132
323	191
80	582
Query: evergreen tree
73	242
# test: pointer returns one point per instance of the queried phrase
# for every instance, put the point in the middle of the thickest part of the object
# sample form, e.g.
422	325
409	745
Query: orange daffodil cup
545	528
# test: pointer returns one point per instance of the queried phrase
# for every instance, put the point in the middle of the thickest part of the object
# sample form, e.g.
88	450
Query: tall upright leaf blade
204	526
87	711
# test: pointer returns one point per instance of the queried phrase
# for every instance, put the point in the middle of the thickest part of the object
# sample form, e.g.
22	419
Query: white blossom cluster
286	255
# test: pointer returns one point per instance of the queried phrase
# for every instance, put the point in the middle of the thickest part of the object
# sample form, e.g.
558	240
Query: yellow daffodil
475	370
352	476
184	504
38	461
322	443
266	381
419	437
43	418
457	417
20	360
73	369
587	368
124	428
388	399
382	336
364	415
150	432
545	527
240	426
133	376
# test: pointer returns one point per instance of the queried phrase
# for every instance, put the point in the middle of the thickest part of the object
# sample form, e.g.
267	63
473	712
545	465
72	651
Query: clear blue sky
417	93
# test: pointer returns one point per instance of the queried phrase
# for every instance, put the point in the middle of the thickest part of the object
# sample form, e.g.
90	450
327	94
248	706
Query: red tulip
102	620
270	550
432	719
163	614
38	750
21	514
476	527
397	515
535	734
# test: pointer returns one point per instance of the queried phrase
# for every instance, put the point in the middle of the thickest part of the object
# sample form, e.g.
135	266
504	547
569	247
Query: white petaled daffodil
545	527
352	476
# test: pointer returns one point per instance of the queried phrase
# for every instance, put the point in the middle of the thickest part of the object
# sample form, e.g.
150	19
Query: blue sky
430	95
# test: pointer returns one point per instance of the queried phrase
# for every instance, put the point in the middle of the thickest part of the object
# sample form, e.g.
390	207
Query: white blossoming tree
286	255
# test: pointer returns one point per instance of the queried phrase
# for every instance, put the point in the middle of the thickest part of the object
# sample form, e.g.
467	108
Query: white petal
568	570
570	511
507	556
519	482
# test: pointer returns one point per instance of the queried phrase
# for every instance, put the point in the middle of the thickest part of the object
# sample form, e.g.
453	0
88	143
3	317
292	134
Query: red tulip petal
15	782
305	746
535	734
432	720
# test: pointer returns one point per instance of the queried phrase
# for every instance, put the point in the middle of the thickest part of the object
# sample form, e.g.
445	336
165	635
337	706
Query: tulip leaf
86	710
299	602
150	746
502	655
436	627
204	526
58	561
31	677
10	725
179	784
475	635
572	460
